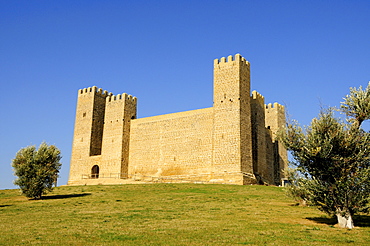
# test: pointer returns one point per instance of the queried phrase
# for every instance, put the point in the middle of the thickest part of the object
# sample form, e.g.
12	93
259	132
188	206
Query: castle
233	142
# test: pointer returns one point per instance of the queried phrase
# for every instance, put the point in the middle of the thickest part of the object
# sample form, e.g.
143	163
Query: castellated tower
232	152
277	154
120	110
269	155
233	142
260	167
88	131
101	135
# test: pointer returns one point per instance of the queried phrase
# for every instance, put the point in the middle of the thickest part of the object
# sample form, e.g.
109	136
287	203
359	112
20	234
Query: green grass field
169	214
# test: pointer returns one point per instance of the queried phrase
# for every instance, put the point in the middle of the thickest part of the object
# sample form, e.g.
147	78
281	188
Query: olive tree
36	169
334	157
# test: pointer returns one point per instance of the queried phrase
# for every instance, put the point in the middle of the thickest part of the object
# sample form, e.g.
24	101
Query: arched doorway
95	172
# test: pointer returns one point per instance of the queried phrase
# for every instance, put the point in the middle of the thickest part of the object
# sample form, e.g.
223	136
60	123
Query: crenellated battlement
276	106
120	97
258	97
94	89
231	60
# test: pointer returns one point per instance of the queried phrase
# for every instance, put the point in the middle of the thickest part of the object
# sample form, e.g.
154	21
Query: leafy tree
334	157
37	170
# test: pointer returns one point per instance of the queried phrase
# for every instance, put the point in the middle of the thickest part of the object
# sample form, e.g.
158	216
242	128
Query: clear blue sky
303	54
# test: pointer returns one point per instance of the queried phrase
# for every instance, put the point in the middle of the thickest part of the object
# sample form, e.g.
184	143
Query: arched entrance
95	172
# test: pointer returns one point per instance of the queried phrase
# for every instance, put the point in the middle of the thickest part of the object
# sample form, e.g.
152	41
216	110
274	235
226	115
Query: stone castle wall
232	142
174	144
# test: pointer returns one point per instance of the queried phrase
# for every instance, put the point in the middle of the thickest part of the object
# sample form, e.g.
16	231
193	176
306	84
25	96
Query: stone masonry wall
175	144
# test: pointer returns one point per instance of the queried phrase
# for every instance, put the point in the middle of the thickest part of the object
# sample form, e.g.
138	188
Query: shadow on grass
65	196
324	220
359	220
3	206
362	220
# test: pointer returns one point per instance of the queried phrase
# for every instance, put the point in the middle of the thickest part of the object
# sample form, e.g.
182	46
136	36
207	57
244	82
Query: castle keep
232	142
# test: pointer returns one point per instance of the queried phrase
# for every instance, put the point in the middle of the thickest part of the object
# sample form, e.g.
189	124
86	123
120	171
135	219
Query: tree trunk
344	219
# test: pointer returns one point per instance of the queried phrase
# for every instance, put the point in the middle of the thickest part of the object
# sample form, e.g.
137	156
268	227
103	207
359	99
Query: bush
37	170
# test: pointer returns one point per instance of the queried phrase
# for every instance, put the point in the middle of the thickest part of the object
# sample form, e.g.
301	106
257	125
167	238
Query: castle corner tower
232	140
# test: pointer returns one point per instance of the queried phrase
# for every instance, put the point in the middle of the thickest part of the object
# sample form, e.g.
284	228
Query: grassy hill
169	214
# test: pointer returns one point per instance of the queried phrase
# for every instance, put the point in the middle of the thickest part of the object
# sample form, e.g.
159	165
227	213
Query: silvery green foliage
356	105
36	170
334	157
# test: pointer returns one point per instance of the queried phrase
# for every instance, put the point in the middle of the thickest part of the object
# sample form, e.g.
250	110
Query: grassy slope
168	214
